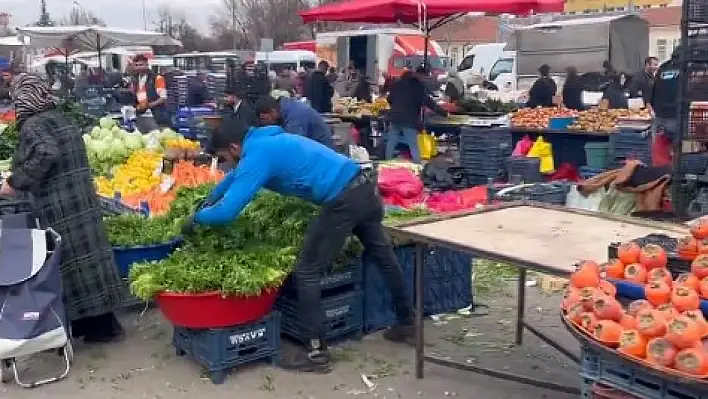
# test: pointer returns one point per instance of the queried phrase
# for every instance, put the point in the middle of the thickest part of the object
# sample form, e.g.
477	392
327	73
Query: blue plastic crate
343	316
631	378
587	172
126	256
560	122
219	350
447	285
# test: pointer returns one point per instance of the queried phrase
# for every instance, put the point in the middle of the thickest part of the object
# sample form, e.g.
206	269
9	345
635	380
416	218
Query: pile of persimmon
664	330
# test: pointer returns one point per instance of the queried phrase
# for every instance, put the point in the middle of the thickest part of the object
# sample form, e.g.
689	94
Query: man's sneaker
317	361
400	333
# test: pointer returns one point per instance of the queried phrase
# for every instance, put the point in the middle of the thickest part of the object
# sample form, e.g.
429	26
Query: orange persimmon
652	256
699	266
587	275
684	298
651	323
702	246
614	268
687	244
688	280
574	312
637	305
587	297
588	321
631	342
699	228
607	331
570	297
607	308
635	273
703	288
692	361
628	322
628	252
699	319
660	352
683	332
668	311
661	274
657	292
607	288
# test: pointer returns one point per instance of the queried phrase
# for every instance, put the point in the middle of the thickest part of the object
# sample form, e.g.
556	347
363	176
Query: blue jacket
286	163
300	118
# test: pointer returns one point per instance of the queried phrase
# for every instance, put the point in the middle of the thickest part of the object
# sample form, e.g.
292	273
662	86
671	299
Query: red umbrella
412	11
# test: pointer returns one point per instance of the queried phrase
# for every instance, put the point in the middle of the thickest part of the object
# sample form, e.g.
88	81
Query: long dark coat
51	164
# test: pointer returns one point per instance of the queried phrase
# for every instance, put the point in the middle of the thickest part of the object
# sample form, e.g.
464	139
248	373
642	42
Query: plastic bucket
596	155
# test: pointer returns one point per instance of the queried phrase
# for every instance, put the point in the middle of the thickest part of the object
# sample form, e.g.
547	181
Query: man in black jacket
643	81
318	90
5	81
407	98
665	101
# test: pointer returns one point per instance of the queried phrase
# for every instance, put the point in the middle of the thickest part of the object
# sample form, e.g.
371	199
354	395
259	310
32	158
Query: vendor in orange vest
150	92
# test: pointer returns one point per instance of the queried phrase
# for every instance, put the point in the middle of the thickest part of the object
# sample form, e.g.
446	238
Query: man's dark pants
357	210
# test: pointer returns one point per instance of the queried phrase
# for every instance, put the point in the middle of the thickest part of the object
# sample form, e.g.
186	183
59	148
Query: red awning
409	11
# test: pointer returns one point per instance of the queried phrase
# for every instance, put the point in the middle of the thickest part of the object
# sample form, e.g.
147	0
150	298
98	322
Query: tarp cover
96	38
583	43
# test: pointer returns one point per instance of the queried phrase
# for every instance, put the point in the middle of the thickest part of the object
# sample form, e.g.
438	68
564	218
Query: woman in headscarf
51	164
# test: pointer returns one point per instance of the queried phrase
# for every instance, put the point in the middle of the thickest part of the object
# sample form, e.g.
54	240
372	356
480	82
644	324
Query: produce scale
532	236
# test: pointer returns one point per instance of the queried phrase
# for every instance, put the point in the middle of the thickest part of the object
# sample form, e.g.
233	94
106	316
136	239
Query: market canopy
10	41
413	11
96	38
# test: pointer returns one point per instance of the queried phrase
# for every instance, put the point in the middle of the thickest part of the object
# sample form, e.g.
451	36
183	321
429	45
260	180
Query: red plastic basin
212	310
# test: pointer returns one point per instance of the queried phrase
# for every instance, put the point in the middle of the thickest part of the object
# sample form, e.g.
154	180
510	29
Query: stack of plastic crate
483	153
216	85
629	145
188	121
251	81
176	90
342	297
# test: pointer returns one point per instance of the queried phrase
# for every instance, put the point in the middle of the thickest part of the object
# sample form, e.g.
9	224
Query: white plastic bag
578	201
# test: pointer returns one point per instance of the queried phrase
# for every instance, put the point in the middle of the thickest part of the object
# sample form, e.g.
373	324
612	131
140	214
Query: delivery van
479	61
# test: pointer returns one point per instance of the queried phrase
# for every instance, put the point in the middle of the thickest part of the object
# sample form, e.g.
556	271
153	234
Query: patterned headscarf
31	95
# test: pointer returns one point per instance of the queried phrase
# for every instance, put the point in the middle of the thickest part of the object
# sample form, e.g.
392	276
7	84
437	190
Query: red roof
662	16
468	30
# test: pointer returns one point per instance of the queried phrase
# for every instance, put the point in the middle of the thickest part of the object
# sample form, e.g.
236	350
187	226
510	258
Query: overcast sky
116	13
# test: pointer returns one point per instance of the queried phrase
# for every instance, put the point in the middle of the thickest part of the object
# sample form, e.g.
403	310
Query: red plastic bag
471	197
448	201
567	172
354	134
400	182
661	151
522	147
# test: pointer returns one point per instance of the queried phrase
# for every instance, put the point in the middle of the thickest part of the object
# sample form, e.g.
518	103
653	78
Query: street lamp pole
145	22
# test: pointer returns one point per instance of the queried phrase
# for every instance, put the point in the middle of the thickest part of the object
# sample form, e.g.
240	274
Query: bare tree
81	16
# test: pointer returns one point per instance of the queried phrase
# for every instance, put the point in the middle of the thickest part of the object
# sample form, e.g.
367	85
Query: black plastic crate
675	264
697	11
343	316
334	281
527	168
219	350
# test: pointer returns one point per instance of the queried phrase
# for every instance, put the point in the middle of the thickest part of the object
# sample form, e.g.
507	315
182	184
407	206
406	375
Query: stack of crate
342	301
693	101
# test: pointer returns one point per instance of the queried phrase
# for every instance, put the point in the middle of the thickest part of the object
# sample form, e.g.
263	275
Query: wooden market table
531	236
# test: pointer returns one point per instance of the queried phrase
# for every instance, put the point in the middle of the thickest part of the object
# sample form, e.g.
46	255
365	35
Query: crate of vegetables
651	348
136	238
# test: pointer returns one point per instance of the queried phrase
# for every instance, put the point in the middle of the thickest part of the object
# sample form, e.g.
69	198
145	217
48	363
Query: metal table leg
521	307
418	270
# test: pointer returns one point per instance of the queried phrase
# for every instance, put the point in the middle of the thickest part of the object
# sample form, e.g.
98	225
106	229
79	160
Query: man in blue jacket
295	117
293	165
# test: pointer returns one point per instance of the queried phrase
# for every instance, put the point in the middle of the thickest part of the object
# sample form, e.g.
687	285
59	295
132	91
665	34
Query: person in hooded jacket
573	90
292	165
295	117
614	93
665	101
318	90
407	97
543	89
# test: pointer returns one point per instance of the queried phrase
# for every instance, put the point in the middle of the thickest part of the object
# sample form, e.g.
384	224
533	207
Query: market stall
530	236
